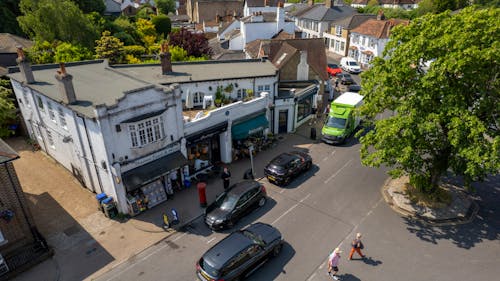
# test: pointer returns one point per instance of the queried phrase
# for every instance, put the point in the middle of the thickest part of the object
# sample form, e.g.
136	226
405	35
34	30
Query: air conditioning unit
4	268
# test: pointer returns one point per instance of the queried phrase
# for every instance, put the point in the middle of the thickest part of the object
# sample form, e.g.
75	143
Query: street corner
461	210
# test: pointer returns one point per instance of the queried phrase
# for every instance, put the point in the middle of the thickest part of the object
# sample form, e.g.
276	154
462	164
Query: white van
350	65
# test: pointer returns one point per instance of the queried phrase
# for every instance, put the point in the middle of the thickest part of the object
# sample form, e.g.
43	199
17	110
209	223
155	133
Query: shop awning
207	133
248	127
135	178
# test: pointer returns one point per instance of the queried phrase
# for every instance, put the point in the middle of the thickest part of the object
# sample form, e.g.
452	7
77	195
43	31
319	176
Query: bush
134	50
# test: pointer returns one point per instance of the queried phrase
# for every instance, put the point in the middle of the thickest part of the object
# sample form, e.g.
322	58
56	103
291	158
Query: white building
337	39
394	4
120	130
368	40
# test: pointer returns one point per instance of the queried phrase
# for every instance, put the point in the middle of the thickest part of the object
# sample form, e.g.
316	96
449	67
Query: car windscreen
229	202
352	63
208	268
336	122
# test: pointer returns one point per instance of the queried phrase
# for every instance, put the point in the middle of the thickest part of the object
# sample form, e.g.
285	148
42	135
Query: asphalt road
323	209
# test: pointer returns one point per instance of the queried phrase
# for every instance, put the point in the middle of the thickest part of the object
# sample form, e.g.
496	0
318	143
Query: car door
296	166
236	266
253	198
241	207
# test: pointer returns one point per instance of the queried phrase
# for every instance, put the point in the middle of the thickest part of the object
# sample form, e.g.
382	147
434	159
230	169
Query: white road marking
291	208
331	154
338	171
208	242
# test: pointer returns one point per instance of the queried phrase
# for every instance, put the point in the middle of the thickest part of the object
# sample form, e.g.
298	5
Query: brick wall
16	231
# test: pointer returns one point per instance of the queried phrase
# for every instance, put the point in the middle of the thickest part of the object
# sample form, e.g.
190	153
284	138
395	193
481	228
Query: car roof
333	65
242	186
223	251
283	158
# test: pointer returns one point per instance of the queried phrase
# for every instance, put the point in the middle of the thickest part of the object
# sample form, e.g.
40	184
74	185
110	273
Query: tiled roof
7	153
388	2
322	13
298	9
354	20
315	47
283	35
378	28
9	43
262	3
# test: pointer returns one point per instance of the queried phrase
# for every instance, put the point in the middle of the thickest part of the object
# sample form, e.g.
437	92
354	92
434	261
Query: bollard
313	133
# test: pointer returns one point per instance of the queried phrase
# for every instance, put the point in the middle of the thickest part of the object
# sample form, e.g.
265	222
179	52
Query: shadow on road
348	277
485	226
371	261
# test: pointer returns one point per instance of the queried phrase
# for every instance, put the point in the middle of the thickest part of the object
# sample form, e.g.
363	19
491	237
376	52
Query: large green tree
50	20
7	108
9	10
439	79
88	6
109	47
162	24
165	6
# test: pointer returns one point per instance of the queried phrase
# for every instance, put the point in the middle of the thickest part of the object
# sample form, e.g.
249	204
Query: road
323	209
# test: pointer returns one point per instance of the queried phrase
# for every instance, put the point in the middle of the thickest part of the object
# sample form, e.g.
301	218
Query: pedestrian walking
333	263
337	84
356	246
226	176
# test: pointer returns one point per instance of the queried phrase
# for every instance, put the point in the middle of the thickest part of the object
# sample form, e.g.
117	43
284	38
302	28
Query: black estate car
234	203
286	166
240	253
345	79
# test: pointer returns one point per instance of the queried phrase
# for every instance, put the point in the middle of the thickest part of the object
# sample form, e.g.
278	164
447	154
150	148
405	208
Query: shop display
154	193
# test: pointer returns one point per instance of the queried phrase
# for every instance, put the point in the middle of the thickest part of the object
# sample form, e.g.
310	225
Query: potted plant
229	88
219	97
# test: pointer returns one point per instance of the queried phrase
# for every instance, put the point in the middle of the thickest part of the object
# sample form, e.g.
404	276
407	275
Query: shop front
152	183
204	148
250	132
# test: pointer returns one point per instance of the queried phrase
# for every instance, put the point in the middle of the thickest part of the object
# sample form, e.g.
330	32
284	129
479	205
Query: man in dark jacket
226	176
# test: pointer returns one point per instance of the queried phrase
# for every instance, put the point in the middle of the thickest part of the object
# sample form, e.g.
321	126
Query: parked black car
283	168
240	253
354	88
345	78
234	203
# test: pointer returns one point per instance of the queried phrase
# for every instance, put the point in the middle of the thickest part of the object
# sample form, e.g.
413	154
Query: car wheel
262	201
308	166
277	250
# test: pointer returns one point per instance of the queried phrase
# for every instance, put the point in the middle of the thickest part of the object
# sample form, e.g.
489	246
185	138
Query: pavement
85	242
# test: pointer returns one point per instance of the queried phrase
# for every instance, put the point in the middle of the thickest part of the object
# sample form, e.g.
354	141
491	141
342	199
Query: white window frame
52	115
338	30
146	131
62	118
241	93
50	139
260	88
267	88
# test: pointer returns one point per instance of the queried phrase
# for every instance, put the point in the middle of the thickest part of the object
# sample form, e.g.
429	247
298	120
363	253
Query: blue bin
187	183
100	197
108	200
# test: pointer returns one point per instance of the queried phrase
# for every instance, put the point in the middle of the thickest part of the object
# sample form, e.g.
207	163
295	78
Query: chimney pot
65	85
165	58
24	66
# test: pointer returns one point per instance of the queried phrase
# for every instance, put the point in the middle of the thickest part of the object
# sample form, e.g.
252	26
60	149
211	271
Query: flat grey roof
188	72
94	83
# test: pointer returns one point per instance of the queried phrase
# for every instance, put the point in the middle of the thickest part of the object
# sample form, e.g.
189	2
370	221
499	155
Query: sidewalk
86	243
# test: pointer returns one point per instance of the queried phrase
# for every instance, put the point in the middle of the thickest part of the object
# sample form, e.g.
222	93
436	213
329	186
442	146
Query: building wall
234	25
16	232
206	11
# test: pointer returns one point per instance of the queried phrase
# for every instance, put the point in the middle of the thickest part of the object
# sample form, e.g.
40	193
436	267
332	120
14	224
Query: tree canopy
50	20
109	47
194	43
7	108
439	78
162	24
165	6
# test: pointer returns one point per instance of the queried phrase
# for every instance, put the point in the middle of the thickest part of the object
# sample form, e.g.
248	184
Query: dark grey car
345	79
240	253
231	205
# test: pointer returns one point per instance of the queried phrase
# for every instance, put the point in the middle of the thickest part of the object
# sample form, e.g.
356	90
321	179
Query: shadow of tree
485	226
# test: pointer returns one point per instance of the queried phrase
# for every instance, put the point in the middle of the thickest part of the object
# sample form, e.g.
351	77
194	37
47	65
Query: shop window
146	132
62	119
52	115
198	97
304	108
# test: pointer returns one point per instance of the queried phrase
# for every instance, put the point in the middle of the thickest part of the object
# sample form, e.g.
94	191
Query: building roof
378	28
297	9
388	2
262	3
200	71
319	12
266	17
283	35
354	20
7	154
280	51
95	83
10	42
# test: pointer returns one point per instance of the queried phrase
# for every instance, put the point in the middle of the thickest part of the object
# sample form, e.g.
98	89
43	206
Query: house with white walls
368	40
316	20
121	130
337	38
394	4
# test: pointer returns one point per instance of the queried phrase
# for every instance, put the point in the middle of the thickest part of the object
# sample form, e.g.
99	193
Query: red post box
202	193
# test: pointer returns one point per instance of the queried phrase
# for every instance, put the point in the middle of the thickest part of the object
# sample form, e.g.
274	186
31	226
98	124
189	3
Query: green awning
248	127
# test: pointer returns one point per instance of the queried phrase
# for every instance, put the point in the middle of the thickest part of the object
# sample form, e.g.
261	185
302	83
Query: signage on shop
256	130
169	149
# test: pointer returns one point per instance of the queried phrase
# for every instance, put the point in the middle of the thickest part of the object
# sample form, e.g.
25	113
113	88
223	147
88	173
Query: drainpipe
92	155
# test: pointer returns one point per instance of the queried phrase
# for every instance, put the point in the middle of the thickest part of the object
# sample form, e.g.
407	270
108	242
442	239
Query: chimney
310	2
165	58
24	66
380	15
266	3
65	85
328	4
216	18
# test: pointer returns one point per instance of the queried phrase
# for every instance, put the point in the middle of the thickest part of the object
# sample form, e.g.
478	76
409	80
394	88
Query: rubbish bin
100	197
248	175
313	133
202	193
109	207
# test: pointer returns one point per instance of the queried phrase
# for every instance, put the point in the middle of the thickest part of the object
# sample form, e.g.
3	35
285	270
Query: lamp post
250	149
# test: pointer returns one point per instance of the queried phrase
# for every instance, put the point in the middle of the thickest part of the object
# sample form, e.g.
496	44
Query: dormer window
146	131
